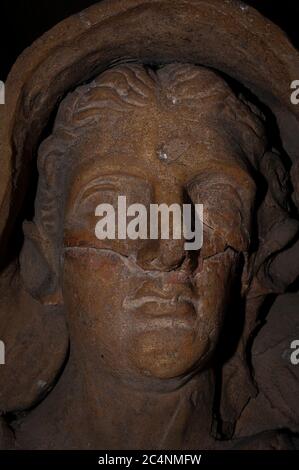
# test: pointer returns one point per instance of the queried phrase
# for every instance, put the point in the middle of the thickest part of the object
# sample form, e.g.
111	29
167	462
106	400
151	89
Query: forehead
162	143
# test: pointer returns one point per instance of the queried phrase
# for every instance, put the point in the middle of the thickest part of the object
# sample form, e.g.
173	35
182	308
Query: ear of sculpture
40	266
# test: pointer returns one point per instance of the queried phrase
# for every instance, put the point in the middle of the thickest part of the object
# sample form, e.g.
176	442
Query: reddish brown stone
150	376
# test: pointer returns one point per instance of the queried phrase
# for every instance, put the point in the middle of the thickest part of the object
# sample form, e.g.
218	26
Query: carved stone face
146	308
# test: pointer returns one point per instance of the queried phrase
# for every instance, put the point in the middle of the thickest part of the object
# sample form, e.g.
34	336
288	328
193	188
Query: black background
23	21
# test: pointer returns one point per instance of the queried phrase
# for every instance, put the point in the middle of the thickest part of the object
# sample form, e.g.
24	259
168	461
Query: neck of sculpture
121	415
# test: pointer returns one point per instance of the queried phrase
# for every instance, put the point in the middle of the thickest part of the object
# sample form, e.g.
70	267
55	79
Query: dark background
22	21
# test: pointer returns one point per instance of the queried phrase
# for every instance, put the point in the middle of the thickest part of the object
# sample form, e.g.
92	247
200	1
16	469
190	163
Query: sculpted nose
162	255
171	253
165	254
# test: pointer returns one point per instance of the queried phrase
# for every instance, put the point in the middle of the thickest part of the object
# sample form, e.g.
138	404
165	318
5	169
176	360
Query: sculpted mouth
156	313
150	303
133	303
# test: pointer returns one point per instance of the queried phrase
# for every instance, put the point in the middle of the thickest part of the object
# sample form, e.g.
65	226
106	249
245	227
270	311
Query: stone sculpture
137	343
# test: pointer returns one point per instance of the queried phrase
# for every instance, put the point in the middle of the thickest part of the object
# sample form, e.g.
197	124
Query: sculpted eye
81	217
227	211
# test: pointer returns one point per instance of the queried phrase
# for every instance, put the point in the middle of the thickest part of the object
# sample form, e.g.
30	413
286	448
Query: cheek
87	272
94	290
214	285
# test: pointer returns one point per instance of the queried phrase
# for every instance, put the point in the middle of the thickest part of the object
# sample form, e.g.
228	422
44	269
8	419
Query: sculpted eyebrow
97	184
222	177
113	182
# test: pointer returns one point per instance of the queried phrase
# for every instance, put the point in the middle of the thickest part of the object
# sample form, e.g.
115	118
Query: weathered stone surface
276	405
126	82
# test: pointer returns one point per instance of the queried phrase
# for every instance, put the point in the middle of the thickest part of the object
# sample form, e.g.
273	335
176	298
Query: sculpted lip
176	311
132	303
157	313
169	291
